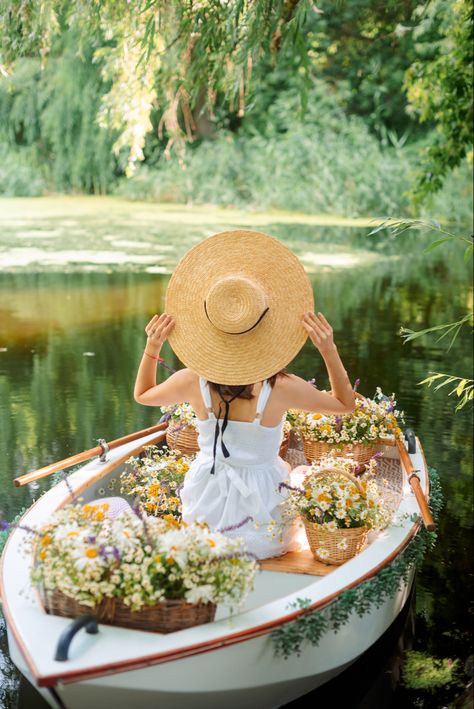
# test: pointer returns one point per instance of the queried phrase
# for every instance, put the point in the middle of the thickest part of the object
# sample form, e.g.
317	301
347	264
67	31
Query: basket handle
349	476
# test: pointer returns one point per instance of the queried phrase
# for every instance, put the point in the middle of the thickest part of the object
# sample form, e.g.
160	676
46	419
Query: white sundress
243	484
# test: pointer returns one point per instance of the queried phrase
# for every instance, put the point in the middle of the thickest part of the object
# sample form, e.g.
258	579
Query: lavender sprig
289	487
356	384
68	485
232	527
137	511
10	525
233	555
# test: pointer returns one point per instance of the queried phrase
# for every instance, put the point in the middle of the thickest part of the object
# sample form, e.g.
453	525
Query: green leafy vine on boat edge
311	626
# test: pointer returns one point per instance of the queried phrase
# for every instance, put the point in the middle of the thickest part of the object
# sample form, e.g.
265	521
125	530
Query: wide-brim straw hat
238	299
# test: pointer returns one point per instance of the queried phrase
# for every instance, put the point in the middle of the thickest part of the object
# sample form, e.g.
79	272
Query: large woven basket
360	452
319	537
183	439
164	617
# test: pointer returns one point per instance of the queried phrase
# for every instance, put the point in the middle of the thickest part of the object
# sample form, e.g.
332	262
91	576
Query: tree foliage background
333	95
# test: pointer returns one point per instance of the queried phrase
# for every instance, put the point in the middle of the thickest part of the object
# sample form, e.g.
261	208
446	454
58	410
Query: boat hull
247	673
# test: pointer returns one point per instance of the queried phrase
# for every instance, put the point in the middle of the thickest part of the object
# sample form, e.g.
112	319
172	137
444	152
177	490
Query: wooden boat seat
296	562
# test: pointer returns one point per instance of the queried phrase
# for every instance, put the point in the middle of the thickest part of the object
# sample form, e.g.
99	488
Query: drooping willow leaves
174	55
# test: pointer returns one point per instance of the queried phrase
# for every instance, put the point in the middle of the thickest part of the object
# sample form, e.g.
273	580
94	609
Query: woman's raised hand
319	331
157	331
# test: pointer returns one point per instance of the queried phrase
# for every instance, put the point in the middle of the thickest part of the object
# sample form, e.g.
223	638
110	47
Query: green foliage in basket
311	625
154	480
140	560
371	420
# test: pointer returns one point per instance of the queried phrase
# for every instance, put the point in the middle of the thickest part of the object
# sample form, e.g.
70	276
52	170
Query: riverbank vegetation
271	105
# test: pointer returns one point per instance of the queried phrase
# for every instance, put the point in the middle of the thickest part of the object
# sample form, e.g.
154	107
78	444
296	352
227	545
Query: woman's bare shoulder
287	382
188	375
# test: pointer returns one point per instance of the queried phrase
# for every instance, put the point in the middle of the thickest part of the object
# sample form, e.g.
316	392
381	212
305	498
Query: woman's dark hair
232	390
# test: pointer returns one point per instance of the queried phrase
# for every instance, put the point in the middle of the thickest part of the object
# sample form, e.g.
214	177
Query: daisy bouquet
372	420
138	561
337	508
179	414
154	481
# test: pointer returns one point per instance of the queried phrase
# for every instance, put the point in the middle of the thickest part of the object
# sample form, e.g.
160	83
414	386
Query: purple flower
312	381
356	384
68	485
116	553
8	525
289	487
231	528
91	539
376	455
235	554
138	512
338	424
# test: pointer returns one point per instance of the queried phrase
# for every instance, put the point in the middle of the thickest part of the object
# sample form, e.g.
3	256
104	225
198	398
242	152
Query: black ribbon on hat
227	403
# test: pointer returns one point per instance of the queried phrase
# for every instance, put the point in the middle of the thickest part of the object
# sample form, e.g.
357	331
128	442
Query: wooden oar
414	481
85	455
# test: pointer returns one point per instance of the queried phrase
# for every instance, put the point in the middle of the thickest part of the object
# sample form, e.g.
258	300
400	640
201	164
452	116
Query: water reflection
70	344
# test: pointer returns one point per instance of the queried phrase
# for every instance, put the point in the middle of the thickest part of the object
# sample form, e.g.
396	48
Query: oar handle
414	481
85	455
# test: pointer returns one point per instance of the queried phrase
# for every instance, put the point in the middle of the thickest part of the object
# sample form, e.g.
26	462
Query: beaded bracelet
158	359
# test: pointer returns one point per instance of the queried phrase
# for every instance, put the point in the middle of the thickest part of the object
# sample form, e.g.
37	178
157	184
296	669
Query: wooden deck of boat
297	562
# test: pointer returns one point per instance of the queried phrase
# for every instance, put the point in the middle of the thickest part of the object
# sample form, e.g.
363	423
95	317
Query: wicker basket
183	439
319	536
360	452
284	445
164	617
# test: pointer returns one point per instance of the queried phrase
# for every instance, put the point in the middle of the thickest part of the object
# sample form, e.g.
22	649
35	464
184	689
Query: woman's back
247	442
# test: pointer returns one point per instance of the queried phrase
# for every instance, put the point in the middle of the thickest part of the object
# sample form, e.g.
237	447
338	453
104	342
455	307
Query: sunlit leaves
464	388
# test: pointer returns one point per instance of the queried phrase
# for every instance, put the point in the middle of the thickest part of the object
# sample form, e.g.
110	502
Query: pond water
79	281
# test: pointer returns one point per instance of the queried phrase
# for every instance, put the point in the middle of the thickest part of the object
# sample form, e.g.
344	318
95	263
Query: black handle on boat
64	642
411	440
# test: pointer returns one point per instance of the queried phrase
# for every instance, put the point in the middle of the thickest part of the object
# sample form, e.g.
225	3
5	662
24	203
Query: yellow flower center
91	553
47	539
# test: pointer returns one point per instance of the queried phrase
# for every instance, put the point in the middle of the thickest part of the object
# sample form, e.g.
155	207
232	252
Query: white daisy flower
322	553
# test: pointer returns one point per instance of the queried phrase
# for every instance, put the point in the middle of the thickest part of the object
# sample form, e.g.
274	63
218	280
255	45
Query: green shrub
19	178
315	160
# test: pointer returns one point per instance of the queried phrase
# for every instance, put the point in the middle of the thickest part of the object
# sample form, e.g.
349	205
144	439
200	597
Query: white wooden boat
230	662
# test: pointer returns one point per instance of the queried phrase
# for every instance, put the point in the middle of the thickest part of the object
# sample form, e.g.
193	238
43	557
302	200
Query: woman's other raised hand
157	331
320	332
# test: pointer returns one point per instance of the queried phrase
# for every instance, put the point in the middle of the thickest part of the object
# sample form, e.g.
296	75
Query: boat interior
279	576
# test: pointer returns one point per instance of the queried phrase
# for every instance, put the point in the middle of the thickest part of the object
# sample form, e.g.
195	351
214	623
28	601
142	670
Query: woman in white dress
210	305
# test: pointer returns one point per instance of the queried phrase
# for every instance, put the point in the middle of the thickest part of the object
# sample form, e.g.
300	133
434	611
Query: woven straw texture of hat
238	299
